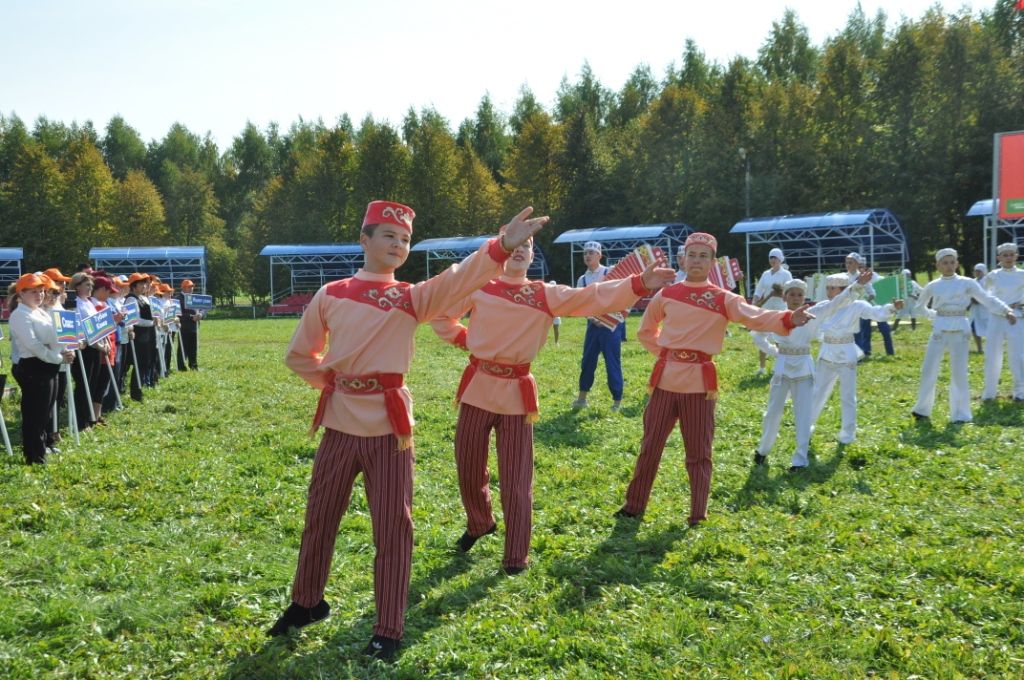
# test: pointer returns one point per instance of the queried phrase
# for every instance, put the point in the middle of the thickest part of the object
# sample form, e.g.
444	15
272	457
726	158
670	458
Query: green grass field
164	545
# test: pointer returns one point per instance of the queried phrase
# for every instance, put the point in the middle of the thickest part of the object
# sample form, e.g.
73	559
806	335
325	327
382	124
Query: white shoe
760	371
579	403
616	406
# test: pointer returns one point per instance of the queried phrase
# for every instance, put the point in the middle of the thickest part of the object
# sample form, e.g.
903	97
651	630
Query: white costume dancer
1006	283
945	300
794	373
839	354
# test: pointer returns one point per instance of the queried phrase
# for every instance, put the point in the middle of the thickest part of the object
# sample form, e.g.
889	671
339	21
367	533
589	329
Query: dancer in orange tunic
684	326
354	343
510	319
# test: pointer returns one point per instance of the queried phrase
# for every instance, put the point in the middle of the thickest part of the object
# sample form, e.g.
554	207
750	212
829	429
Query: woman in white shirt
36	356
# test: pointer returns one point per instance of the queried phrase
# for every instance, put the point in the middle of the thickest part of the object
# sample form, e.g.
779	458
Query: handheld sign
98	326
131	312
65	322
887	289
197	301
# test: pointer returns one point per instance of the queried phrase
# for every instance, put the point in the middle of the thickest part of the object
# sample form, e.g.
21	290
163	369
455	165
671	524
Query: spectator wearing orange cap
145	336
120	340
54	299
89	402
36	356
188	336
684	326
354	343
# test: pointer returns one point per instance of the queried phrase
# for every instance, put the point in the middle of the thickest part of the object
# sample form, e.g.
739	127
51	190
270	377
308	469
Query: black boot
467	541
382	648
297	616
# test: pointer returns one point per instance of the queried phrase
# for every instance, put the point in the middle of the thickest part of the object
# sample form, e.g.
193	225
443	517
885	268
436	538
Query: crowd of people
353	344
137	354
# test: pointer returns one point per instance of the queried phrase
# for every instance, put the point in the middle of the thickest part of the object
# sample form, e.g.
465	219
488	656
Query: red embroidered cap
389	212
700	238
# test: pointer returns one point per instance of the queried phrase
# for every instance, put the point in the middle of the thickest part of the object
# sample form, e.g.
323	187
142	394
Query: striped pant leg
697	423
802	392
959	387
515	468
472	441
848	403
659	418
387	475
334	471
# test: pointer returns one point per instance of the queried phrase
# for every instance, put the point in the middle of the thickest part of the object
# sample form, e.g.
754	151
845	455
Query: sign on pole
65	322
98	326
197	301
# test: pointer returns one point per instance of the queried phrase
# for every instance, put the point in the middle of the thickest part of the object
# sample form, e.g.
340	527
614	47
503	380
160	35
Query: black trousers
38	382
188	341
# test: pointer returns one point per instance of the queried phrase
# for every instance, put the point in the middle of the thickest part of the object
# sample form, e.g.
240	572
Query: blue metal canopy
173	264
147	253
10	267
311	265
457	248
617	242
820	242
995	228
303	249
12	254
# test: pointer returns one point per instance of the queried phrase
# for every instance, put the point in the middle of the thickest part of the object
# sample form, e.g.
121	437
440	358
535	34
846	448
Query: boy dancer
510	320
684	325
768	294
354	343
794	372
946	299
1007	284
839	353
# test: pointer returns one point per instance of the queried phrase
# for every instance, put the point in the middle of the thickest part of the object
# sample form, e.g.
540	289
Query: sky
213	65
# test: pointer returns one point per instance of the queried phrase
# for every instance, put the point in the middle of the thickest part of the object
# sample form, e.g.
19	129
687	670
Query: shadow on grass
925	435
1000	412
277	657
764	489
565	428
620	558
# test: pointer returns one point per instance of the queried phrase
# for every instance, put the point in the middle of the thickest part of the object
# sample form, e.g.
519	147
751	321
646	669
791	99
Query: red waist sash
687	356
520	372
387	384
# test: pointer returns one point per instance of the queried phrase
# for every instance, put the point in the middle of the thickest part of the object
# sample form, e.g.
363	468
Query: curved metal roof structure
819	242
457	248
10	266
311	265
996	229
173	264
617	242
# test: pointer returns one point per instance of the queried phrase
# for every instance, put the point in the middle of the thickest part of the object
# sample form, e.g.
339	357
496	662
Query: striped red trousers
696	416
515	471
387	476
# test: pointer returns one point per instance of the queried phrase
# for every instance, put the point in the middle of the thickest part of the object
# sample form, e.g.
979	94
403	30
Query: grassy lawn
164	545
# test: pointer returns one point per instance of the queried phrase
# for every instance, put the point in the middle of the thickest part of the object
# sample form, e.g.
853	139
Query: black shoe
918	416
511	571
759	459
622	512
297	616
467	541
797	468
382	648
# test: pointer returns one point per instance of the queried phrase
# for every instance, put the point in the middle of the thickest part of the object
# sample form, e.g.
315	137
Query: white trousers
825	376
959	392
1000	330
801	390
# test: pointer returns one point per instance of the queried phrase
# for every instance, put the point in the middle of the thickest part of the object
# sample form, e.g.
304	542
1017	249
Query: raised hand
520	228
657	274
865	276
801	316
898	304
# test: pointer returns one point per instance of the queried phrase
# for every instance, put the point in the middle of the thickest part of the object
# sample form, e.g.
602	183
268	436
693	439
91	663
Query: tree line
899	117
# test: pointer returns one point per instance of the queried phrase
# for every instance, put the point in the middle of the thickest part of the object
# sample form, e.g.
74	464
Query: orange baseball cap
30	280
138	276
54	274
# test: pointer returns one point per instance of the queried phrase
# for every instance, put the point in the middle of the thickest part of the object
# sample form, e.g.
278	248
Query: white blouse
33	335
